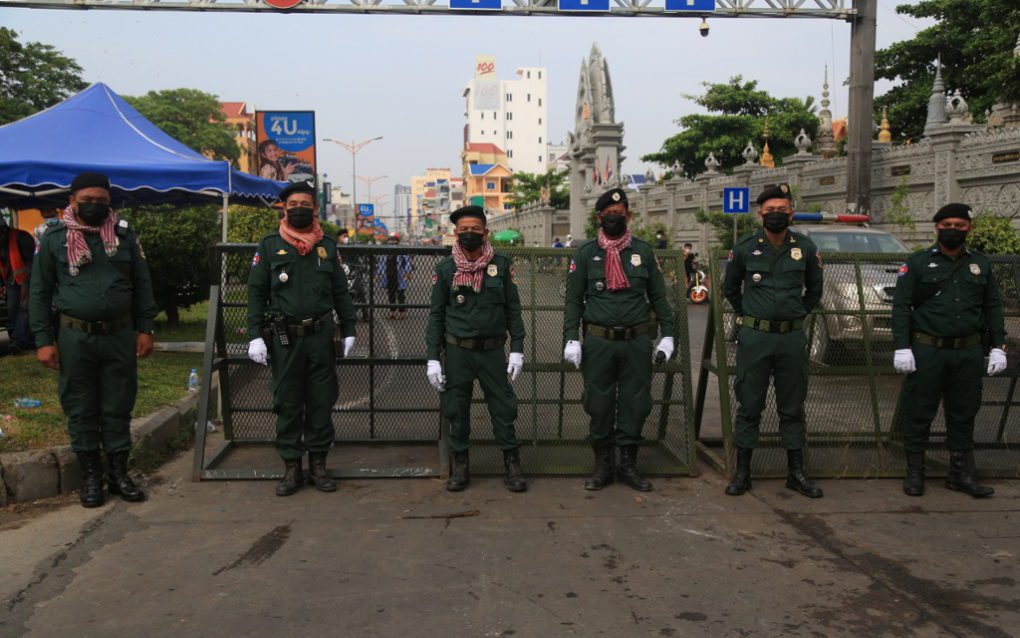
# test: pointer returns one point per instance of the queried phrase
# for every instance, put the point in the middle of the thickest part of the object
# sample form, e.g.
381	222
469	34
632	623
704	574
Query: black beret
776	191
961	211
297	187
90	180
468	211
610	197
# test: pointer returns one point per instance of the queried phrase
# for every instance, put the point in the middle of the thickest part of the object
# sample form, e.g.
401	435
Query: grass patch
162	380
190	328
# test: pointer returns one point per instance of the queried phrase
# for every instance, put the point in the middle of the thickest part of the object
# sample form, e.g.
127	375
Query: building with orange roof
242	123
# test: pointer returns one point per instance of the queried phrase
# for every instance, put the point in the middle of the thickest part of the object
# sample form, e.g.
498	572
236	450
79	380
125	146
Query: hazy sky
402	76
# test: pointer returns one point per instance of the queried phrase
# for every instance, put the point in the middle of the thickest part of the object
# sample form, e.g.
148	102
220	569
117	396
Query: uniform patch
322	252
435	278
138	242
573	266
282	251
903	270
729	257
635	260
256	259
492	270
756	252
796	254
513	275
818	256
975	269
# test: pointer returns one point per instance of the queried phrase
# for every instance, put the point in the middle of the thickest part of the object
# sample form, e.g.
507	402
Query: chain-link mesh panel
852	409
384	394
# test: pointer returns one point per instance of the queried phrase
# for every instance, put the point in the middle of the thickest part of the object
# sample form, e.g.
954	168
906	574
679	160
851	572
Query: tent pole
225	202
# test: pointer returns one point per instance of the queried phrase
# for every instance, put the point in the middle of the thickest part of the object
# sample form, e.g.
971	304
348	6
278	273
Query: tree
722	224
191	117
528	188
33	76
975	39
995	235
737	111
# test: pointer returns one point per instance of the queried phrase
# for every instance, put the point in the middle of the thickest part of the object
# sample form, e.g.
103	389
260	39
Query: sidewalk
405	558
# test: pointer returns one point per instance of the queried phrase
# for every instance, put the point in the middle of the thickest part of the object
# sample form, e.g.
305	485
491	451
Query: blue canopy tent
96	130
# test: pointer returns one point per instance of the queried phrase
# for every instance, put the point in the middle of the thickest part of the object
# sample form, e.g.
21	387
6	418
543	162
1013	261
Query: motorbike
697	291
356	286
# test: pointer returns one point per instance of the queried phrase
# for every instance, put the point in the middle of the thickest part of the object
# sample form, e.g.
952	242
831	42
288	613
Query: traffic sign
584	5
736	200
477	5
701	6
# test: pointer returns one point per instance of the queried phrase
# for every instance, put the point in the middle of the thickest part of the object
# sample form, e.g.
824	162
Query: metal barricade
854	426
387	421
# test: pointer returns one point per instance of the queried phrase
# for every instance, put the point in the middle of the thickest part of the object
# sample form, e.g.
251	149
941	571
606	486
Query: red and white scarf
471	273
616	279
78	253
303	240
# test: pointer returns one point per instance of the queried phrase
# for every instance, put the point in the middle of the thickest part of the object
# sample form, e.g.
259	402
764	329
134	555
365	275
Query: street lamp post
353	147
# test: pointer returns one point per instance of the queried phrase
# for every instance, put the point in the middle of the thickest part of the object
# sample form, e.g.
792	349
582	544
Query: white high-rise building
512	114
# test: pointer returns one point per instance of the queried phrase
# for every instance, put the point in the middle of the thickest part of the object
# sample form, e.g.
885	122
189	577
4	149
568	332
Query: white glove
257	351
996	361
903	361
666	347
435	374
348	346
572	353
516	365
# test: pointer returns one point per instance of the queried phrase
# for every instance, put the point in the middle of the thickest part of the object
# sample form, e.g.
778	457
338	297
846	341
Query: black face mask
93	214
614	225
776	222
952	238
470	241
299	217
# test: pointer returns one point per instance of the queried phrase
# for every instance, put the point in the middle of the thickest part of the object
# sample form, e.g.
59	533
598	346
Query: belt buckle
619	333
307	323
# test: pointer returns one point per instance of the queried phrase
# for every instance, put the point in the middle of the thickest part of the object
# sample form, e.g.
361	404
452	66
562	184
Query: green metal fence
387	421
853	416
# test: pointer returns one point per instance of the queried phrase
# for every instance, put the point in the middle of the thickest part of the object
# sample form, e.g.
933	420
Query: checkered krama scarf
304	240
78	253
616	279
471	273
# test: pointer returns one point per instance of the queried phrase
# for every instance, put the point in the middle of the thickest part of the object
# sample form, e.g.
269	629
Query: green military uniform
101	308
472	328
304	290
618	364
943	330
772	289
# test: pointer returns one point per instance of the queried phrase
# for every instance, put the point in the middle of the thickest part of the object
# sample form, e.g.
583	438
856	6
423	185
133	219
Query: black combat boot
913	482
627	472
318	476
795	477
741	481
603	474
460	476
118	479
91	493
514	477
963	475
293	478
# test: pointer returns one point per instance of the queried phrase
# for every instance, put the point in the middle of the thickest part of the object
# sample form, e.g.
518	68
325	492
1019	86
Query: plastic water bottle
26	402
193	380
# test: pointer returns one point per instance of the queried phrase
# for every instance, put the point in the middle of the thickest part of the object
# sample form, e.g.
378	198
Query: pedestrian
557	243
570	242
773	281
475	304
660	240
296	283
16	251
616	292
946	297
51	217
689	269
393	272
91	269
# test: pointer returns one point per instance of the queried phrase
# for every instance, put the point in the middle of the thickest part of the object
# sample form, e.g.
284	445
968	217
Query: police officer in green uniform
90	267
945	296
617	293
296	283
474	306
773	280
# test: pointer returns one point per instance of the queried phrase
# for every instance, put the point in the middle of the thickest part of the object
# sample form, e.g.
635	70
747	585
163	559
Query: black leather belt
764	325
952	343
476	343
620	333
96	327
307	327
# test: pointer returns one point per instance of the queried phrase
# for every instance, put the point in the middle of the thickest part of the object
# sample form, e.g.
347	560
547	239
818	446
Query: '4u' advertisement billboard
286	144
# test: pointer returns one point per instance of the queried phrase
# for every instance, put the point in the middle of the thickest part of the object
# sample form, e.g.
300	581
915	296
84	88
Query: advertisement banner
365	222
286	145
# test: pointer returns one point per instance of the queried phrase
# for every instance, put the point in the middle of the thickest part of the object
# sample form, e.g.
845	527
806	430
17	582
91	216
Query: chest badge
635	260
756	277
492	270
283	277
975	269
796	254
282	251
596	258
460	299
933	265
322	252
756	252
600	286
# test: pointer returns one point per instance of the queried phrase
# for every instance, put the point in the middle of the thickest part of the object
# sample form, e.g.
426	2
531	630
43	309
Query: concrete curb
27	476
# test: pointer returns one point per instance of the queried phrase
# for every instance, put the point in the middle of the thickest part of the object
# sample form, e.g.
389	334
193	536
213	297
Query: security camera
703	28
